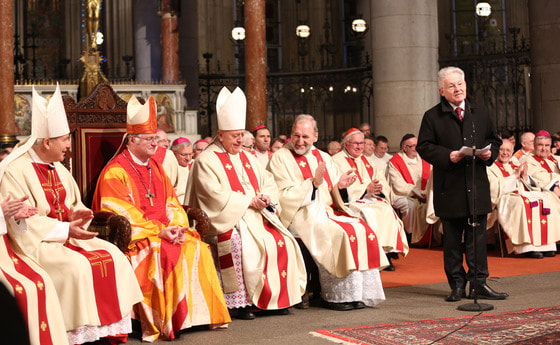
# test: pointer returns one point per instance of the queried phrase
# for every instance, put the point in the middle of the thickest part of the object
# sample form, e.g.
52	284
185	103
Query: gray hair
444	72
306	117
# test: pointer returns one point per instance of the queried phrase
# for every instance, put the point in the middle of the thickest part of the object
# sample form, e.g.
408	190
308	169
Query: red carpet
532	326
425	266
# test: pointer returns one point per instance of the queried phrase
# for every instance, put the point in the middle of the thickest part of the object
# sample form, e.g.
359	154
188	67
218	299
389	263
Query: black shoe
358	305
533	255
393	255
338	306
284	311
485	292
304	304
243	314
391	267
549	254
456	295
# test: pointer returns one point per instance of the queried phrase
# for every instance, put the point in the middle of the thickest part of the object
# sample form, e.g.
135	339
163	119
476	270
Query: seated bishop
259	260
543	166
173	266
346	249
529	215
369	195
93	279
408	175
30	285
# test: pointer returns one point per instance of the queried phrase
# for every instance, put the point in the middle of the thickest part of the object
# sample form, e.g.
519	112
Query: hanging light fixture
359	25
303	31
238	33
483	9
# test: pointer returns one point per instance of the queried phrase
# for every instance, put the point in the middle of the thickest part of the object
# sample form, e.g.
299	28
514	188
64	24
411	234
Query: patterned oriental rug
532	326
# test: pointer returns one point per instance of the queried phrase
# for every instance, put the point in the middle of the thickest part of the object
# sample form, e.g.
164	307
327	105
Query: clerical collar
137	160
221	147
411	160
349	155
462	105
36	159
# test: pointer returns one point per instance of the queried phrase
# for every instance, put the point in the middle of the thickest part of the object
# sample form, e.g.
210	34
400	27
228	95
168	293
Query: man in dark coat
453	123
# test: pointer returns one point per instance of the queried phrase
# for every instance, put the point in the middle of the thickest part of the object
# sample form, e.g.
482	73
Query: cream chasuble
223	185
34	292
527	214
375	210
340	243
88	295
409	179
544	171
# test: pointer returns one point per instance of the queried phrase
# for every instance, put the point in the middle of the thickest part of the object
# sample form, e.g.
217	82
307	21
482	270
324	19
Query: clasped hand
78	220
173	234
375	187
260	201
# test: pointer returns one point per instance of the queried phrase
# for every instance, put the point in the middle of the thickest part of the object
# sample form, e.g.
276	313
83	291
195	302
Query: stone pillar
255	62
169	46
404	38
545	64
147	36
7	118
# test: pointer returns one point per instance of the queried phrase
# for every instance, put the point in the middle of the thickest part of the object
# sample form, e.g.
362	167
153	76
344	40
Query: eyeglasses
410	146
164	141
149	139
356	143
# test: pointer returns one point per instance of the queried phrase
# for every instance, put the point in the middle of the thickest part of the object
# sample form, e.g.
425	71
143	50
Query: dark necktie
459	112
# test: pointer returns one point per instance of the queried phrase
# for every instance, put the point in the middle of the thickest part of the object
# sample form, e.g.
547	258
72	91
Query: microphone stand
475	306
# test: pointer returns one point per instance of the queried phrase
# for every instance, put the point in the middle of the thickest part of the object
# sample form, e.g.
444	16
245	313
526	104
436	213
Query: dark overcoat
441	132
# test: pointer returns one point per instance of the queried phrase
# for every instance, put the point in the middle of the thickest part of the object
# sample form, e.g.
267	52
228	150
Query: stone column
255	62
169	46
147	36
7	119
405	64
545	64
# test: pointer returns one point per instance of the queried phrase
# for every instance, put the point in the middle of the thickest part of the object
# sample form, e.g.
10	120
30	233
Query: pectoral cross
59	211
150	196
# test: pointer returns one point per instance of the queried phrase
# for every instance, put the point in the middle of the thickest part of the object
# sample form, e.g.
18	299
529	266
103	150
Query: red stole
140	178
102	265
544	164
543	220
20	295
354	167
374	260
282	263
303	164
54	191
400	165
503	170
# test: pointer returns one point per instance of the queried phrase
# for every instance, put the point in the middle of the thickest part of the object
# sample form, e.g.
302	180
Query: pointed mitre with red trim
141	118
48	117
232	109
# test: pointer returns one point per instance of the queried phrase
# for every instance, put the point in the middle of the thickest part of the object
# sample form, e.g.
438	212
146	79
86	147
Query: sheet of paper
468	151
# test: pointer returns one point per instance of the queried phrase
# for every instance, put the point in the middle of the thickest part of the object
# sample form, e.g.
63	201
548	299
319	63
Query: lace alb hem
239	298
364	286
86	334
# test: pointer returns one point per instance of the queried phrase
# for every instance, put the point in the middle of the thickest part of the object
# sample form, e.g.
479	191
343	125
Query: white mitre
48	117
231	108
